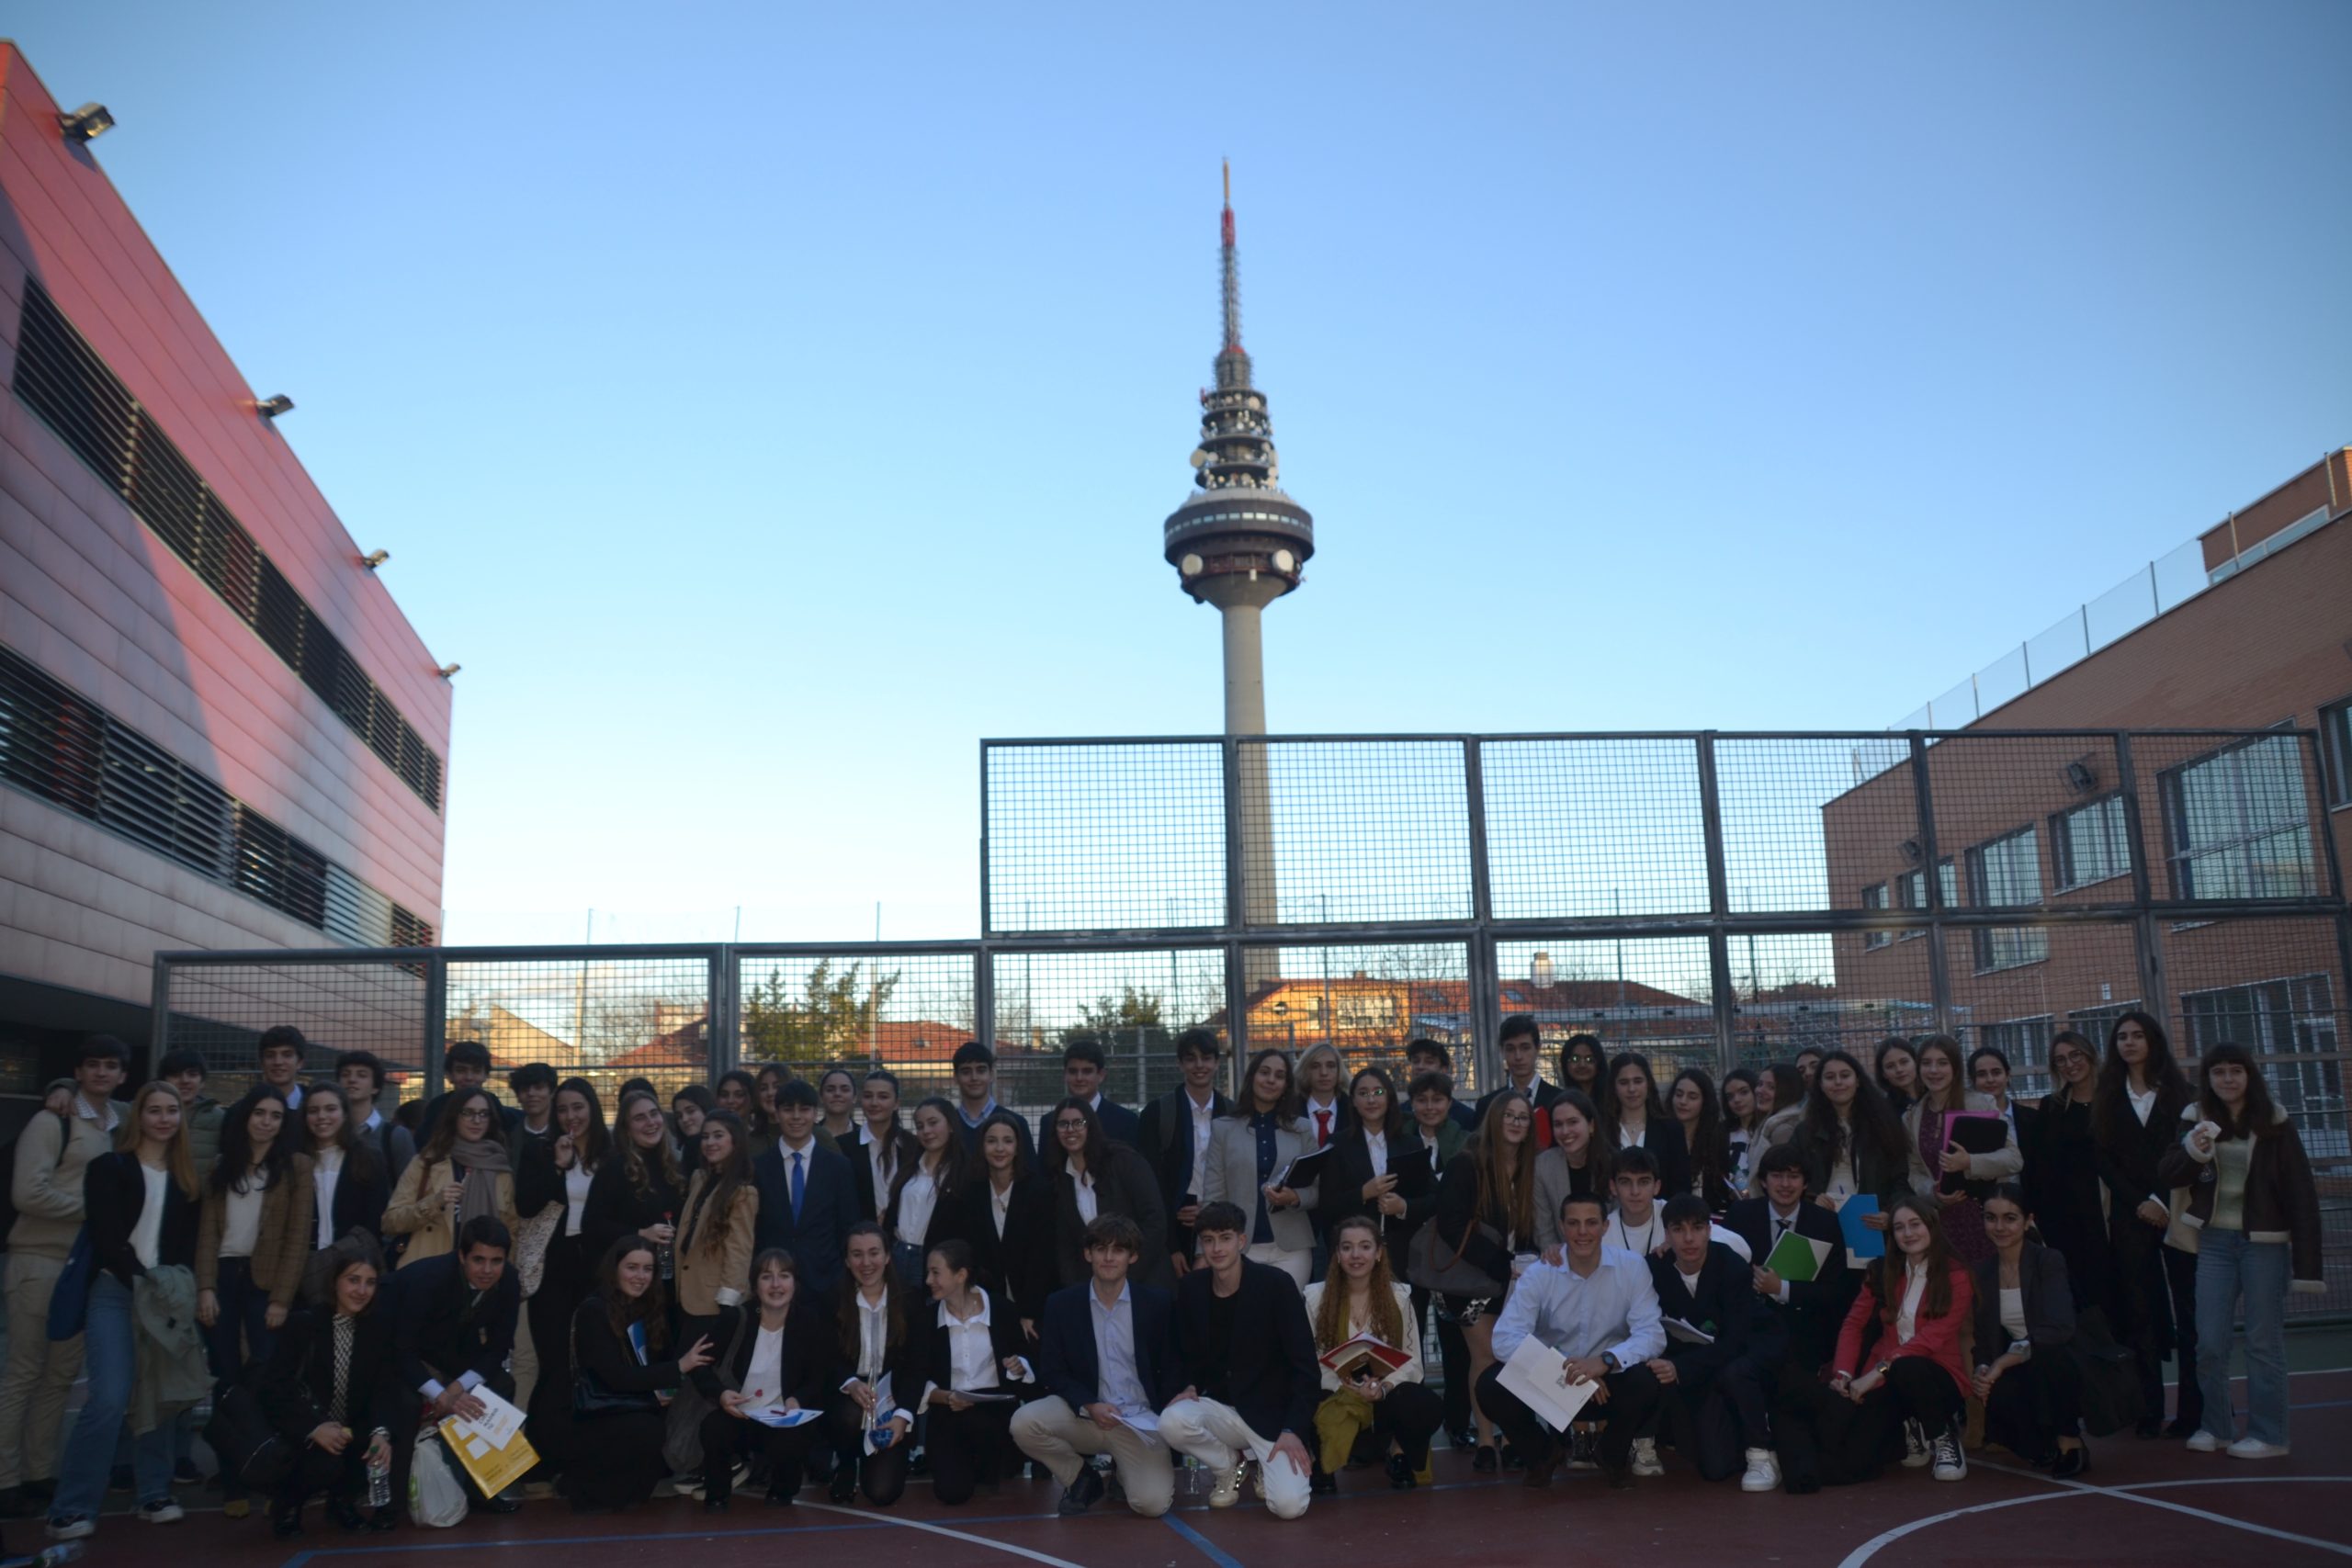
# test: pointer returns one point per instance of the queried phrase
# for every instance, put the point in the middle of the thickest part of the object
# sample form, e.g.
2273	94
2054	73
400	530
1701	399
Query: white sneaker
74	1528
1646	1460
1915	1446
1951	1462
2201	1442
1763	1472
1228	1491
2255	1447
164	1513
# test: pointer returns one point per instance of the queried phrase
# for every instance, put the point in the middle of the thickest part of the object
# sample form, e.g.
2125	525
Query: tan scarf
478	1157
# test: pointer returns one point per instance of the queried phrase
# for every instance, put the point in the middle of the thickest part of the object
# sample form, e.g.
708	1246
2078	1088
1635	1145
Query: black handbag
591	1398
2109	1374
252	1451
1427	1264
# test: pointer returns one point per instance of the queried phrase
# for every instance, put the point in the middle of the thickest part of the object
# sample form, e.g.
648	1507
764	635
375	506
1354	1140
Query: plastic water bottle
665	1255
380	1480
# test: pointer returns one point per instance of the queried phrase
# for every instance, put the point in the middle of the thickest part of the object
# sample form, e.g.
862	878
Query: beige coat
708	1276
417	1212
288	1226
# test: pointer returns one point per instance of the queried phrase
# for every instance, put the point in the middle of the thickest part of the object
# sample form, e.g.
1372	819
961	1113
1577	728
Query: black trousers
1407	1416
966	1447
615	1460
562	1284
1711	1416
1454	1357
1825	1439
2035	1404
2180	1287
1633	1397
342	1475
785	1449
883	1476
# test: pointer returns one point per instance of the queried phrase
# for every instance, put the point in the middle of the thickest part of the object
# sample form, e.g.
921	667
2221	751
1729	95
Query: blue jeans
110	1360
2228	1267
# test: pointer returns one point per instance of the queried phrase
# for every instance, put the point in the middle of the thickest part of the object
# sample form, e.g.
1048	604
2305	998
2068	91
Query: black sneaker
1621	1476
120	1479
185	1473
844	1488
1084	1491
779	1498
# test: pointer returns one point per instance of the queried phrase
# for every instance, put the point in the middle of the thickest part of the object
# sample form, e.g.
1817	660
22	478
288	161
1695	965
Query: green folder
1798	1257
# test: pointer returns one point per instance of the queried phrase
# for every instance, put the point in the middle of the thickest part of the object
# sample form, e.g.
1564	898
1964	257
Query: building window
2007	875
2335	741
2238	823
2093	1023
1874	900
2087	844
2025	1041
1911	891
2291	1024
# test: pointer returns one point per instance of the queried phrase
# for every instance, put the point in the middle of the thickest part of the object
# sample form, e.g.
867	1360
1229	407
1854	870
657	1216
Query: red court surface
2143	1504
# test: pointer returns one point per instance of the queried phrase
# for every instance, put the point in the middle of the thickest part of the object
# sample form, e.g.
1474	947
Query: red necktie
1322	1128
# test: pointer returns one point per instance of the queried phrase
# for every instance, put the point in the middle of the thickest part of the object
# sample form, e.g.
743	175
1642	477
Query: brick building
217	730
2050	824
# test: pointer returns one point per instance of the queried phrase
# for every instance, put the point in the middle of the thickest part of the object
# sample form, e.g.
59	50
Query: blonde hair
177	1159
1386	1322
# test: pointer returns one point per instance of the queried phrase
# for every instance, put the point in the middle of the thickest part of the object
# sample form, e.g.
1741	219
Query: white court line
871	1517
1869	1548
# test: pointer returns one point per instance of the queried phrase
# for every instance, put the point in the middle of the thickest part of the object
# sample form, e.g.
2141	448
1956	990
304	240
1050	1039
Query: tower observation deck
1239	542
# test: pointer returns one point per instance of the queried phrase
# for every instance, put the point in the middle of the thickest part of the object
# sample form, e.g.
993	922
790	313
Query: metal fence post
1483	977
984	996
988	918
1932	882
1711	818
720	1016
1237	1013
2147	933
436	1020
159	1016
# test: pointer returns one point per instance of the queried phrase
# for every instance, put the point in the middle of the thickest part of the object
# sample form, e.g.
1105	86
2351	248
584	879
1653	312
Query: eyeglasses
476	1115
1072	1126
1373	1092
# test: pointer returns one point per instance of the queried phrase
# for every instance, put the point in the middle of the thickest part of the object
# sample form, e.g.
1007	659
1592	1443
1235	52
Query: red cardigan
1938	1339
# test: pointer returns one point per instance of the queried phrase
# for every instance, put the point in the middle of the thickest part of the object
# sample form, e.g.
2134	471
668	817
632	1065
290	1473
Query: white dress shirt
1203	1123
1906	1317
1087	1201
326	1174
1614	1309
916	1201
972	1352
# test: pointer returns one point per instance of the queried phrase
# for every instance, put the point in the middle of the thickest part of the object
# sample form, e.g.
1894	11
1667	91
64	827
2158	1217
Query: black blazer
1662	1136
616	1208
610	1358
949	1212
1816	1307
1271	1374
1004	1334
2049	1303
820	1237
870	1204
1124	1185
1164	1133
2127	1161
904	1366
1339	1189
1120	1124
297	1384
438	1334
360	1197
1726	1306
114	1194
807	1354
1019	1264
1069	1366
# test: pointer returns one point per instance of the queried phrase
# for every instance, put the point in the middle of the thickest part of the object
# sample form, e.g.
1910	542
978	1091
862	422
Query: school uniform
1806	1314
1360	1155
1121	1184
1715	1408
895	1373
771	1368
1173	1134
1124	1355
1120	1124
967	1356
812	1222
1012	1239
2039	1400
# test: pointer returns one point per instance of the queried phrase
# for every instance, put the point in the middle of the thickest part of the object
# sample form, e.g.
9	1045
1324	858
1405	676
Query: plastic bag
436	1499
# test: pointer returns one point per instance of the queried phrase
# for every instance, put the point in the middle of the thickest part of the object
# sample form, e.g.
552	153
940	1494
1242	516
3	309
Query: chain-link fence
1707	899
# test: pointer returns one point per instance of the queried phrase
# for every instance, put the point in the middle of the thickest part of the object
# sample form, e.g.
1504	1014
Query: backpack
8	1162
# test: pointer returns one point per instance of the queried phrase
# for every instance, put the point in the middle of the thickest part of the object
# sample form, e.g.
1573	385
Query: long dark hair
236	1159
1955	1096
1506	1177
846	1310
957	1162
589	1150
1288	1107
1392	1125
1056	1158
2112	1114
1888	1271
1000	1118
360	1161
1568	1051
1754	1119
2258	1114
665	1161
651	1309
1887	1047
1598	1166
444	1127
1789	1089
1710	1151
1878	1150
719	1186
1612	1111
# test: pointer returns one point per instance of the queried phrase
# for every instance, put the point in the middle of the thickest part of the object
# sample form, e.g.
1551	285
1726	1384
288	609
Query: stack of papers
491	1448
1534	1374
771	1416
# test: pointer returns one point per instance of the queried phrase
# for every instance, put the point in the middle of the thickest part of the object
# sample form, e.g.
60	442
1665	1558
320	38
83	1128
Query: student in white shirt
872	1414
774	1366
1362	1299
926	1203
975	1350
1636	1226
1319	1071
1600	1310
567	1268
348	1186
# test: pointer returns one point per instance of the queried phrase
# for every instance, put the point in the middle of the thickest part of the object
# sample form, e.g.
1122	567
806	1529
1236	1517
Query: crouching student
978	1368
1107	1359
1252	1380
773	1369
2025	1320
1361	1299
1599	1309
1714	1405
332	1392
1898	1368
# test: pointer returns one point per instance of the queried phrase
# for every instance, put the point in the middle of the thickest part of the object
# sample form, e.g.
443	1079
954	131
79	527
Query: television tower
1238	542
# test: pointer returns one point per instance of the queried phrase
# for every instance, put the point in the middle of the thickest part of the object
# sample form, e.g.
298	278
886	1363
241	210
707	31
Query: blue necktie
800	1188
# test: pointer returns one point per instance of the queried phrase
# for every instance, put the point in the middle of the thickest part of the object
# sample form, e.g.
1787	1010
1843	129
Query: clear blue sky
763	403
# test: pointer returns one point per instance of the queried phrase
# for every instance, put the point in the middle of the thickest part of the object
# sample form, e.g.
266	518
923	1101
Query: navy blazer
1271	1374
1120	1124
1725	1304
1066	1361
820	1238
438	1334
1816	1307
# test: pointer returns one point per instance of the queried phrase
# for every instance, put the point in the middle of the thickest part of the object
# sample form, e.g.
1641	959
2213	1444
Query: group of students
791	1280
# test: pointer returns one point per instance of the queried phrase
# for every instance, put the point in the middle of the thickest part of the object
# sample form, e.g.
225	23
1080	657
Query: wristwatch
1608	1359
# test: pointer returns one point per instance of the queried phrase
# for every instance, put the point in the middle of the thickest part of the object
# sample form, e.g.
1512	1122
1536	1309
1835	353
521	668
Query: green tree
834	1015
